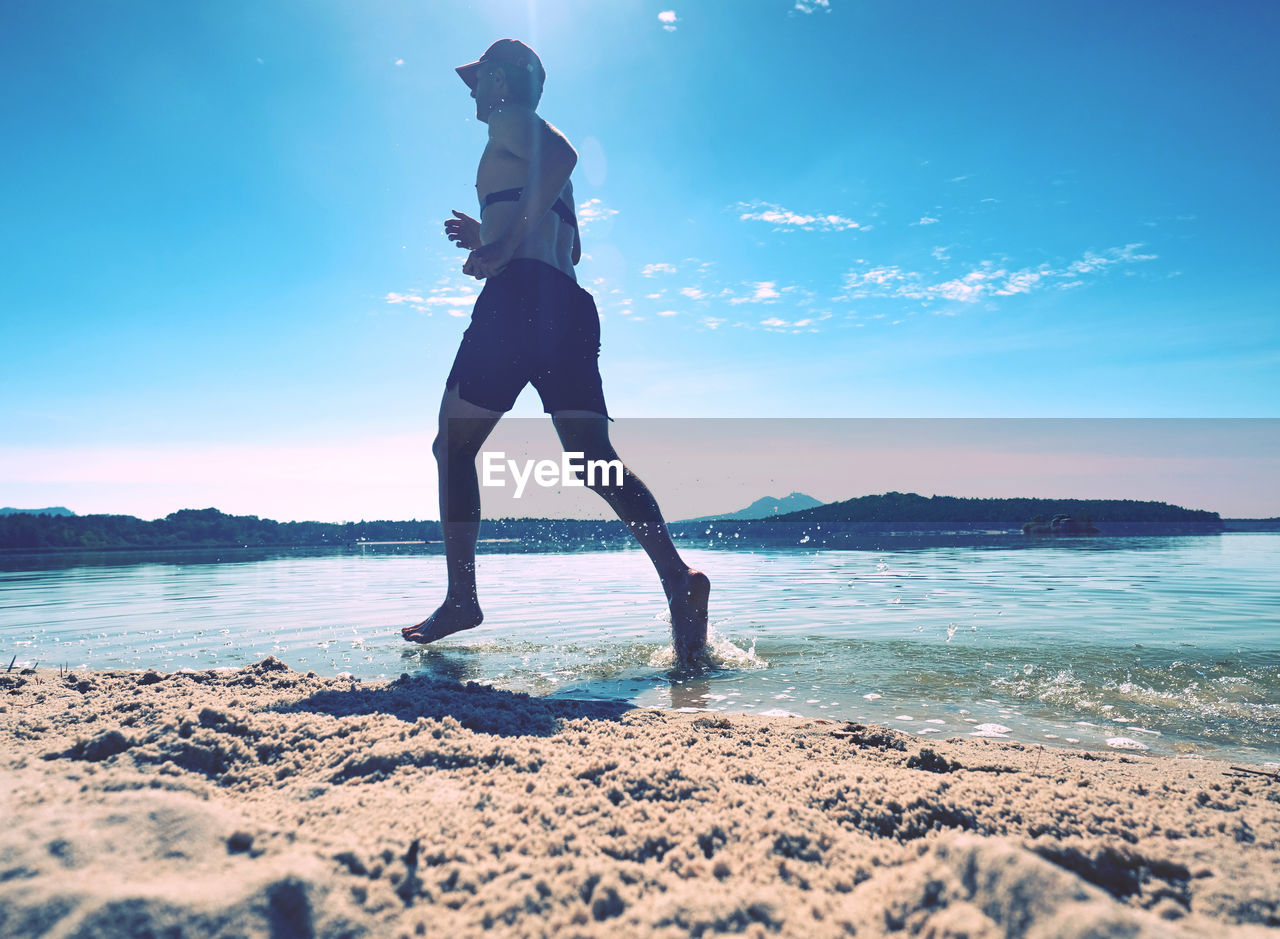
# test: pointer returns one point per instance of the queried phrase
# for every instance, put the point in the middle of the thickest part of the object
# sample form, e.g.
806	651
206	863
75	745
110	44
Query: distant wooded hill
1009	513
53	510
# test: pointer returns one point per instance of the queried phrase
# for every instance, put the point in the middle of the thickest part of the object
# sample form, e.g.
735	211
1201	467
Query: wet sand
267	802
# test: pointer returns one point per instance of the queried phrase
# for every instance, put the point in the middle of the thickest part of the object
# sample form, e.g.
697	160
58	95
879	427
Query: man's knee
446	448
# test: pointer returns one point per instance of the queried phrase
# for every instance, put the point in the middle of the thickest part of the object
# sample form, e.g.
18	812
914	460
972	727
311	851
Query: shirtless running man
532	323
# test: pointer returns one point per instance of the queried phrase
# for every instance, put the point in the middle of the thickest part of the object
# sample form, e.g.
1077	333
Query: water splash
720	654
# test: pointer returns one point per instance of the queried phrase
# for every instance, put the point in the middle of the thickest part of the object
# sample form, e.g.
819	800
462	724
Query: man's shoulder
521	131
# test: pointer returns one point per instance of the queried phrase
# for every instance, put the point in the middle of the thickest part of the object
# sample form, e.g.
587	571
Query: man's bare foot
449	619
687	598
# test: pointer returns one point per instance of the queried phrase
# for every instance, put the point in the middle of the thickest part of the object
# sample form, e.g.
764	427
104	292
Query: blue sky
226	280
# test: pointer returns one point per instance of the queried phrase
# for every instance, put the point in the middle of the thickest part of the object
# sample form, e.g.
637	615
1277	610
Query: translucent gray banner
698	468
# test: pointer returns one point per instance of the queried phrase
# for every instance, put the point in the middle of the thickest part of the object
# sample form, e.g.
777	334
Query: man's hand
463	230
488	260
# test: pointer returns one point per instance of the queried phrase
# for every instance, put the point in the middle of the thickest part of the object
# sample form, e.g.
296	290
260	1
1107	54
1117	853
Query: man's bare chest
499	169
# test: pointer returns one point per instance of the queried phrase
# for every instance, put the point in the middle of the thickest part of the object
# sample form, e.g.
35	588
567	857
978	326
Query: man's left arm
551	159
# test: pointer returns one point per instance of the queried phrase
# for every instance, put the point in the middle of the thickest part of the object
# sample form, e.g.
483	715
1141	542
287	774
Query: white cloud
778	324
986	280
693	293
667	313
1088	264
649	270
1020	282
455	300
593	210
785	220
712	322
399	61
1094	262
966	289
668	19
926	220
809	6
876	277
762	292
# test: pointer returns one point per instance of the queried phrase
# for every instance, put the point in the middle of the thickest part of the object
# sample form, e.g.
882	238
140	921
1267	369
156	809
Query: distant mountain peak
52	510
767	507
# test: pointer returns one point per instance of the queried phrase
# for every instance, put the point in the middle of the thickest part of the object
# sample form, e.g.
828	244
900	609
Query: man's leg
462	431
687	590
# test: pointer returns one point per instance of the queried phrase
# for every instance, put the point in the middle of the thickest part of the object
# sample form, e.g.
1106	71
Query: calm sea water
1171	644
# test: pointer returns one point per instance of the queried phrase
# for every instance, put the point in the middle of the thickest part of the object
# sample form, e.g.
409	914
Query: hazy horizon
700	467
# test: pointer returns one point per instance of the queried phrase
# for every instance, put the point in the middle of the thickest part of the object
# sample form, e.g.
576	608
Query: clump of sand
266	802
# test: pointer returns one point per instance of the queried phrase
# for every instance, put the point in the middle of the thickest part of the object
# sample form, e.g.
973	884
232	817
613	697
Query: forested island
830	524
1000	513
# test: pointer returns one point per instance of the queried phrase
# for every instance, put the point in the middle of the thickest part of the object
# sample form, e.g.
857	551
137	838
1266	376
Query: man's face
486	92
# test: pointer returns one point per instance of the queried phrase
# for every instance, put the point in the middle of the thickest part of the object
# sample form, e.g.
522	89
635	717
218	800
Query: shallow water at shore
1171	644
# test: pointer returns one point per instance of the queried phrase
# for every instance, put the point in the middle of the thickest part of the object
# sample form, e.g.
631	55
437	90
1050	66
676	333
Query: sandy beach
263	801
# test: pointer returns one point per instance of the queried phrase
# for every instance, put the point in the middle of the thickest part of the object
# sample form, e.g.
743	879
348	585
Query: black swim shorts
531	323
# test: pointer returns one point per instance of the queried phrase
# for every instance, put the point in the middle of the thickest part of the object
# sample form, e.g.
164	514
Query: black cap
510	53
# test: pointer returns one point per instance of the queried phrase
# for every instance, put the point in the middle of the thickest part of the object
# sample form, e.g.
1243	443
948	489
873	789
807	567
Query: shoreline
262	799
124	533
835	535
1031	730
